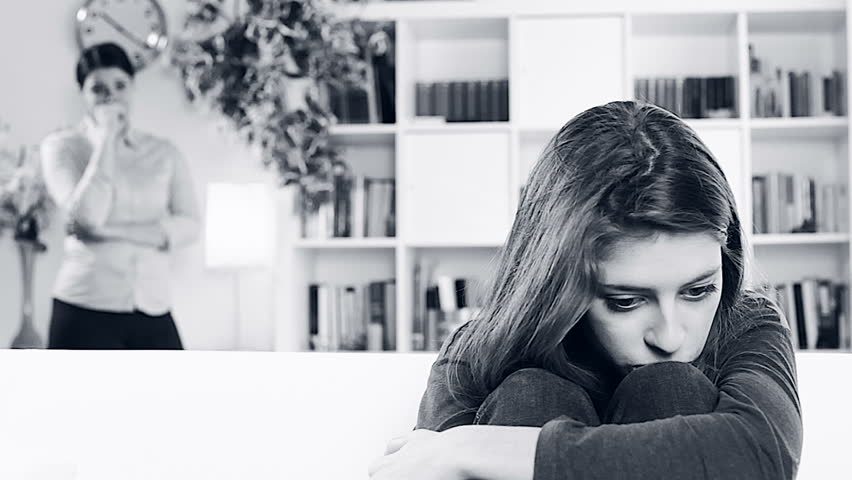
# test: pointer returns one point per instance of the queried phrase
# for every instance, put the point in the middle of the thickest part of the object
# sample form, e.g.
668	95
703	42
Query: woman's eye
699	293
99	88
620	305
120	86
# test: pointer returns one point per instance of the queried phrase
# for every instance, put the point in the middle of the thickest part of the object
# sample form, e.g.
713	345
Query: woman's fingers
379	464
400	441
395	444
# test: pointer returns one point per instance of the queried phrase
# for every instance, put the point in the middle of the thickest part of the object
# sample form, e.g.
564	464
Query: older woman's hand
110	121
81	232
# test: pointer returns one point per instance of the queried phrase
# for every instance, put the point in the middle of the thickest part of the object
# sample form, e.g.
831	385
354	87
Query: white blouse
150	183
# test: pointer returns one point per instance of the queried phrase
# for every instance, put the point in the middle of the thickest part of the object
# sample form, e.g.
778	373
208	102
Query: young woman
129	200
617	338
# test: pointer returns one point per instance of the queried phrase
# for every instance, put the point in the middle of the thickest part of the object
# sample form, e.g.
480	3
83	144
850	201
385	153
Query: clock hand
108	19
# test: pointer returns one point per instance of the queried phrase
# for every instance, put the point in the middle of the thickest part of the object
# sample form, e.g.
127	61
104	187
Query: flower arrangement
265	68
25	205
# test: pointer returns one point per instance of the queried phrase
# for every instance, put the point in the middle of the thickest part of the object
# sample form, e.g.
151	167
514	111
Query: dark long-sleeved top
755	431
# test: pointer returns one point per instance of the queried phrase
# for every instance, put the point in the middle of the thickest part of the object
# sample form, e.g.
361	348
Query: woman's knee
662	390
532	397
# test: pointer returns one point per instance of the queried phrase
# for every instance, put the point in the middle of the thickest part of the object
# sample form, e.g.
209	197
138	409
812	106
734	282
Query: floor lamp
240	237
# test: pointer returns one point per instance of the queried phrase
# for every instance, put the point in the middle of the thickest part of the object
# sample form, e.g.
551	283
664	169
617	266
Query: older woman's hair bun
102	55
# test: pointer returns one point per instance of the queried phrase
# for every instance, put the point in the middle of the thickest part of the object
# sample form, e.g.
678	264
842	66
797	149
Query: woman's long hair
616	171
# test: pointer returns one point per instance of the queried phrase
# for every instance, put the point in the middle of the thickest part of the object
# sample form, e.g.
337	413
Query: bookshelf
458	183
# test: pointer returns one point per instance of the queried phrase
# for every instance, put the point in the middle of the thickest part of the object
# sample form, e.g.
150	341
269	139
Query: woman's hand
419	455
110	121
470	451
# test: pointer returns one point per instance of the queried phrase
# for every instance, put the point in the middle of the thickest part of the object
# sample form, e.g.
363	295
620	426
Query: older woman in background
129	201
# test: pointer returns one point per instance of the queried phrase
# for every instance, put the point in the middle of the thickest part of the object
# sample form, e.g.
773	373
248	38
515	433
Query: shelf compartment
775	239
687	63
799	127
346	243
785	43
454	50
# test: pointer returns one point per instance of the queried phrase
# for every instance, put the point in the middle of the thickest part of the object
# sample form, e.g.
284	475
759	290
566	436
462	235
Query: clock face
138	26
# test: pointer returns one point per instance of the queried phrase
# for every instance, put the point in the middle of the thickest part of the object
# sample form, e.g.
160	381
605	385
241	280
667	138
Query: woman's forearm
149	234
91	198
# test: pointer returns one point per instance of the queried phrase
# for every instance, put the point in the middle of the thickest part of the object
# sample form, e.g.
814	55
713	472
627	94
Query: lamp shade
240	225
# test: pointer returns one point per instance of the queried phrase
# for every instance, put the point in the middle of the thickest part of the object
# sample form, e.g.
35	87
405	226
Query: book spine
323	342
358	207
810	301
798	298
433	319
418	330
389	341
472	97
447	294
313	316
503	86
828	336
758	204
789	307
375	332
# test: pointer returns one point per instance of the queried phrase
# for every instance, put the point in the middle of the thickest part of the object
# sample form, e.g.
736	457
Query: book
433	319
418	321
389	331
503	103
377	316
447	294
358	209
758	185
798	299
472	110
786	301
313	316
827	327
810	303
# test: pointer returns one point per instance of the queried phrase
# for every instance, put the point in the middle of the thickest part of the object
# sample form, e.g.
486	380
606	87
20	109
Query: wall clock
138	26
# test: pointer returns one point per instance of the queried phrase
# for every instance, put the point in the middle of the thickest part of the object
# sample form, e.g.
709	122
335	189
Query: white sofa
258	416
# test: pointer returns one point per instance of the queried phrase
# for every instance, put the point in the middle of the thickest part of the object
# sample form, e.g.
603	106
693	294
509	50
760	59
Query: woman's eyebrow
631	288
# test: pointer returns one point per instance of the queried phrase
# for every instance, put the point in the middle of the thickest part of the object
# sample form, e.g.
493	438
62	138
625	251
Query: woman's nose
667	333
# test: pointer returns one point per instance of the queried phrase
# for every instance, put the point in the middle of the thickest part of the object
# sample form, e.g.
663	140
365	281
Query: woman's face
657	299
105	86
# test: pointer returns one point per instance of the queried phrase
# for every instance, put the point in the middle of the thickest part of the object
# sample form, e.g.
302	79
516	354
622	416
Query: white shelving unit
458	184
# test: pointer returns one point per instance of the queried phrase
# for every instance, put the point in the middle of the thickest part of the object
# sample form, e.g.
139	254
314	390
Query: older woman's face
105	86
657	299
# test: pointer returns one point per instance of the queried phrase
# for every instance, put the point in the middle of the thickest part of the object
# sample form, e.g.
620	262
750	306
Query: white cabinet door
456	187
565	66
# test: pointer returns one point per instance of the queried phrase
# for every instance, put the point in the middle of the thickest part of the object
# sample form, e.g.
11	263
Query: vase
27	336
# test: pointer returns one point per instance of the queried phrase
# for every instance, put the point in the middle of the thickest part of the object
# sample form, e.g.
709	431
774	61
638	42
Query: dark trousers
531	397
78	328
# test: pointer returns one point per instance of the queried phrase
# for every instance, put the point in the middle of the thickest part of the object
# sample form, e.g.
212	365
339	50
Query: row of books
794	203
690	97
817	312
360	207
440	307
352	317
779	93
470	101
374	101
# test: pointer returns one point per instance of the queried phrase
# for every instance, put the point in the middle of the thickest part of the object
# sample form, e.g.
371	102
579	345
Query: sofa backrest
238	415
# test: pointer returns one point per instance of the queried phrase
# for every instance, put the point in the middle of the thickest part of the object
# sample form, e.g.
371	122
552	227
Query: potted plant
265	66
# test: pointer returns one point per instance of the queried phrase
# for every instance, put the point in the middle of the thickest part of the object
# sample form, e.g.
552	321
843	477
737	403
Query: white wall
38	93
